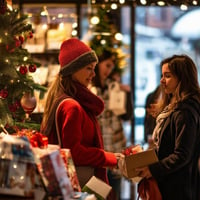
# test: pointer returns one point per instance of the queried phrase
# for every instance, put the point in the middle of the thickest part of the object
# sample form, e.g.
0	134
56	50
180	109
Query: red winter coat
80	131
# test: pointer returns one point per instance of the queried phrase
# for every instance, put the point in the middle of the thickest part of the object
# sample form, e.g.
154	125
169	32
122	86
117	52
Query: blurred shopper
110	123
149	120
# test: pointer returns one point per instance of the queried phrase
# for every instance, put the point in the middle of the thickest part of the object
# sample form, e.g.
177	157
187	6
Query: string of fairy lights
183	4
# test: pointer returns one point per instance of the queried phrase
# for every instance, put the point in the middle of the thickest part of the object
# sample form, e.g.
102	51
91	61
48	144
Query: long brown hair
183	67
60	86
105	55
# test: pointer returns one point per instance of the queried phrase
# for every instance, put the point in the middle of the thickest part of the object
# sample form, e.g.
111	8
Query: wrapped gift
53	172
35	138
18	175
71	170
136	157
97	187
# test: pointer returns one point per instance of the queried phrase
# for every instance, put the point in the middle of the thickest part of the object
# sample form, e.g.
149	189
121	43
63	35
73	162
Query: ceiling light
161	3
143	2
114	6
183	7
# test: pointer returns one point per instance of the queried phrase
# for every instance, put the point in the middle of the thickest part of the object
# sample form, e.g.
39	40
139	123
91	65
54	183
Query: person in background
111	124
177	131
71	110
149	120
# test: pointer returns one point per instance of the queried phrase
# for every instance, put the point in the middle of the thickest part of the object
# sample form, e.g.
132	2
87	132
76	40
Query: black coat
177	171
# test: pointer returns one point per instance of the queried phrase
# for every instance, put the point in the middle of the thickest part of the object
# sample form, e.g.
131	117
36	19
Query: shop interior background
150	33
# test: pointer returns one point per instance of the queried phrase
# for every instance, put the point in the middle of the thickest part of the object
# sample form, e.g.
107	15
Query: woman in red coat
70	112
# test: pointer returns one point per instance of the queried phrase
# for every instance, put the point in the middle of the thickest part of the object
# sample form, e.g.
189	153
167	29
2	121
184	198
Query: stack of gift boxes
30	167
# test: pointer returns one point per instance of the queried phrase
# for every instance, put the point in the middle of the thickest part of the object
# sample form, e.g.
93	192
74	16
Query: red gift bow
39	140
133	149
35	138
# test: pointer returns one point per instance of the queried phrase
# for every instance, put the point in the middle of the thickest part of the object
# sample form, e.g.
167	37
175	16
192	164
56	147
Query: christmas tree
104	37
16	64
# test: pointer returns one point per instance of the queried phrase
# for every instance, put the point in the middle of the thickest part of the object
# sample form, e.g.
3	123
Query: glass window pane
160	32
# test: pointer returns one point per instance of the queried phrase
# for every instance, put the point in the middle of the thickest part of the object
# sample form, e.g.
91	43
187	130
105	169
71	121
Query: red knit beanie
74	55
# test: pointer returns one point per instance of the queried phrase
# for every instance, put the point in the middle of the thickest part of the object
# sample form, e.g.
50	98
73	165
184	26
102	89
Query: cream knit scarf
159	124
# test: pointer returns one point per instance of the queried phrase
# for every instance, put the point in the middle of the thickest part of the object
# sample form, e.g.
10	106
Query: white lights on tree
103	42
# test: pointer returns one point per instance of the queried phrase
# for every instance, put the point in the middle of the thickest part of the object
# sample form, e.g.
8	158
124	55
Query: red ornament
23	69
17	42
9	48
32	68
28	103
30	35
17	104
21	38
4	93
3	7
12	108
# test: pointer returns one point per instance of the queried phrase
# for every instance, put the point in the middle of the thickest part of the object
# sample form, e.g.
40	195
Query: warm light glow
25	58
9	3
30	15
14	165
194	2
103	42
118	36
44	26
60	15
94	20
74	25
61	26
183	7
143	2
121	1
74	32
161	3
114	6
10	7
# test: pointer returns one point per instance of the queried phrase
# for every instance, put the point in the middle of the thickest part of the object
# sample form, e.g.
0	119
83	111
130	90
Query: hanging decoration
28	102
